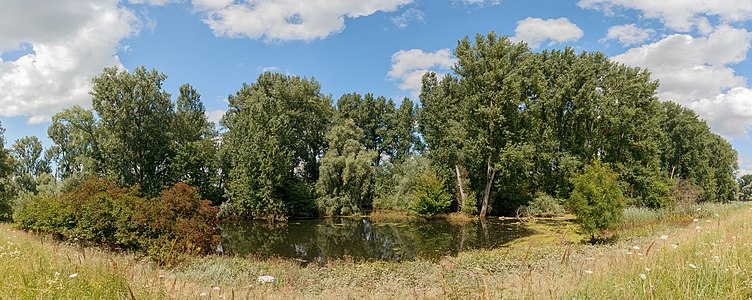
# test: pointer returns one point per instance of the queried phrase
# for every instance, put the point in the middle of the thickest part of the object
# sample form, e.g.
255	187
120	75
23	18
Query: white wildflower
643	276
695	220
216	288
202	295
664	237
73	275
636	247
588	272
647	269
692	266
265	279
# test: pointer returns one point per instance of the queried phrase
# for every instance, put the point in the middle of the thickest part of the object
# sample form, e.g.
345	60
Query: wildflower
588	272
216	288
674	246
73	275
202	295
695	220
643	276
647	269
636	247
698	228
716	215
664	237
629	252
692	266
265	279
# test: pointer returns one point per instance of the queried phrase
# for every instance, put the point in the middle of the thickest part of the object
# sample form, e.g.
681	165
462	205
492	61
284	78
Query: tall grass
33	268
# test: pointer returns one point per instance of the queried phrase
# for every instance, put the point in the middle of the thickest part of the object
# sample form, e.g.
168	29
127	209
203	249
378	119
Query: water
321	240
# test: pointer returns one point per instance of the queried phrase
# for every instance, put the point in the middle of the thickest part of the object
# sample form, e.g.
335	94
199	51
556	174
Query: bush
597	199
543	205
99	213
394	184
429	196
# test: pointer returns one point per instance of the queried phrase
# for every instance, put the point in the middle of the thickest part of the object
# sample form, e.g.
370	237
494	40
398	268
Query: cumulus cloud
680	15
70	41
409	66
628	34
215	115
286	20
409	16
535	31
696	72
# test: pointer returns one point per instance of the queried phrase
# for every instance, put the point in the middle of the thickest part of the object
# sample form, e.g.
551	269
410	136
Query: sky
50	49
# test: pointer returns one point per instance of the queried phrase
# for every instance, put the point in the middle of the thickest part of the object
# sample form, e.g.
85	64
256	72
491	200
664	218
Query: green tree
429	195
194	145
491	79
346	180
745	187
597	199
135	123
274	138
29	162
76	149
375	116
7	192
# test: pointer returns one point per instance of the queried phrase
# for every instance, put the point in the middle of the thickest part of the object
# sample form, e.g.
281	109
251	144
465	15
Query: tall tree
274	139
7	191
75	150
194	143
491	79
135	123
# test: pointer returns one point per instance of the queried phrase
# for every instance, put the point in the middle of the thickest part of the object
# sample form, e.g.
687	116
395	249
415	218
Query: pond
321	240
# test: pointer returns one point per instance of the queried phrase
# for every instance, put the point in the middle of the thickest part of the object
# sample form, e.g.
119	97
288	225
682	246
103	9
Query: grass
677	256
32	267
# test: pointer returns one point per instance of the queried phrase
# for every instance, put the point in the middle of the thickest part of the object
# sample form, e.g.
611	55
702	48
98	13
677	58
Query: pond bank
550	263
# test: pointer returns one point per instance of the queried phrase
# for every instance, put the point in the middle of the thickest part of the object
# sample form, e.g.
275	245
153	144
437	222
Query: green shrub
543	205
99	213
470	206
429	196
597	199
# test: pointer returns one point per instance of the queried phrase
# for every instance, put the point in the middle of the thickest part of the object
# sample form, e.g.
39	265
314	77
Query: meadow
700	251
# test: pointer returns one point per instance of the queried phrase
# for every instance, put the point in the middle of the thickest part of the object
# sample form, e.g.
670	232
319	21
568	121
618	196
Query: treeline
507	127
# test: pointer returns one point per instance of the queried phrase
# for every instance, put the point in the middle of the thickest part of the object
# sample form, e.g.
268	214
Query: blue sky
48	53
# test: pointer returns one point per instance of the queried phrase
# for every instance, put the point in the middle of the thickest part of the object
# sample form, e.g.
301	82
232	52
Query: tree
135	123
6	188
375	116
74	132
429	196
346	180
29	162
597	199
274	138
491	79
194	145
745	187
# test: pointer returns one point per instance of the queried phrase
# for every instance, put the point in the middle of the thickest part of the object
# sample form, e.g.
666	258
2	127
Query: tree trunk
463	196
490	173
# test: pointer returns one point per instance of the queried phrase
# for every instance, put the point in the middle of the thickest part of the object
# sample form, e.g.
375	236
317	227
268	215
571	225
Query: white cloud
215	115
71	41
272	69
408	67
696	72
286	20
478	2
409	16
153	2
535	31
680	15
628	34
729	114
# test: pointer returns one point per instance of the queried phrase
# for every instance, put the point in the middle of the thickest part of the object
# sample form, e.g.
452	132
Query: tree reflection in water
321	240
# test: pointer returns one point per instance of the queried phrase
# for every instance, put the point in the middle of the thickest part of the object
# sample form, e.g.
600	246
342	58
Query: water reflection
363	239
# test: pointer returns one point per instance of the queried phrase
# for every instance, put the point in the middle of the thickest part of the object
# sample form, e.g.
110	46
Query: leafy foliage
345	182
597	199
543	205
100	213
429	195
275	134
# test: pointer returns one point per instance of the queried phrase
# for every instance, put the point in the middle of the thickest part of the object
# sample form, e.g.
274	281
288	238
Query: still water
320	240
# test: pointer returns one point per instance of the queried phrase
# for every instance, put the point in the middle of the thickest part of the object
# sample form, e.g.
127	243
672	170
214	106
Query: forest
508	128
